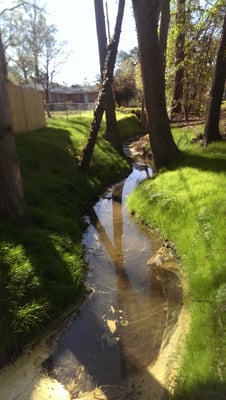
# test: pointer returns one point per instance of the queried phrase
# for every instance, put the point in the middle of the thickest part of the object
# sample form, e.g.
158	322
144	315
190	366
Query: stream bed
116	346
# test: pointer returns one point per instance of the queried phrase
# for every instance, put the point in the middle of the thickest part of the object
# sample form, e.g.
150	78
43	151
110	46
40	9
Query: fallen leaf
111	325
112	310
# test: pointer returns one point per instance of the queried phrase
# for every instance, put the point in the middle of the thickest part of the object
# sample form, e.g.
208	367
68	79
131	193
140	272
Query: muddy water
120	329
116	347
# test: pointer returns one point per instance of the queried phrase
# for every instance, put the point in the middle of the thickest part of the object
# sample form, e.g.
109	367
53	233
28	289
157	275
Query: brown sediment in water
27	380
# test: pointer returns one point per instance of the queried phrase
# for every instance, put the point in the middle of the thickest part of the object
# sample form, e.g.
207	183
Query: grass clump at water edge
188	205
42	265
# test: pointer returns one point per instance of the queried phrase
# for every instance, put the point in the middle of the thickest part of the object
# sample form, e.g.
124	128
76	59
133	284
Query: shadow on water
123	325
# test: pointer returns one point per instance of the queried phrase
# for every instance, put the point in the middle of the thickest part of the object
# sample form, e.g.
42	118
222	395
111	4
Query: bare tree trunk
107	81
112	132
101	34
147	14
108	77
212	131
12	202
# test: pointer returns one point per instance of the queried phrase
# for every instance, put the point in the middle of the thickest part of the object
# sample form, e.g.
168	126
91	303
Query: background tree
52	57
190	66
203	36
33	54
12	202
212	131
126	92
147	13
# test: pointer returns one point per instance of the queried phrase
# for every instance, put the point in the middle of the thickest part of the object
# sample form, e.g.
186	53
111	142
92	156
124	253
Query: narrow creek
117	345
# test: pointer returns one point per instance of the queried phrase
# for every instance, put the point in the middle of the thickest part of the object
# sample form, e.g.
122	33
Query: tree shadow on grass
37	282
47	281
212	390
202	162
34	292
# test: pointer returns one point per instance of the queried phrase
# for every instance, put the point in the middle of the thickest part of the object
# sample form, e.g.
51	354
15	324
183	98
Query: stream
121	342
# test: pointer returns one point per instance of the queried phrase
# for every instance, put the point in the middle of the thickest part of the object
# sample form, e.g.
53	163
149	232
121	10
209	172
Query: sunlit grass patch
187	203
129	125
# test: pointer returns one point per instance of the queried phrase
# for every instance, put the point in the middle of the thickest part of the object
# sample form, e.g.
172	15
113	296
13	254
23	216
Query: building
73	94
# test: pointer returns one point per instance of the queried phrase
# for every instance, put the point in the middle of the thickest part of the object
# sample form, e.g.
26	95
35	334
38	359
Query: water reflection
121	326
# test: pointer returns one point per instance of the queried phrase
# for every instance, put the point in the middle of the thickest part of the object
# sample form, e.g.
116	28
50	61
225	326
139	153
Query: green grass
128	124
42	265
187	203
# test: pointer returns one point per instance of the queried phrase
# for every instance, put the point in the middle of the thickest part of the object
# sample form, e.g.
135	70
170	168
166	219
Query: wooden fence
27	108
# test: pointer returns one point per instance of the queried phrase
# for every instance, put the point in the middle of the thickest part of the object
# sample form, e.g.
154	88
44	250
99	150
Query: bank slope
187	203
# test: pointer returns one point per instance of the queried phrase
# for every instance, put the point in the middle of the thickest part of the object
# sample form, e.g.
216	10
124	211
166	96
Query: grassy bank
188	205
42	267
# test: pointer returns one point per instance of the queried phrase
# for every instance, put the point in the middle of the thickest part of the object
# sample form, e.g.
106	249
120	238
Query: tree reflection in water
120	328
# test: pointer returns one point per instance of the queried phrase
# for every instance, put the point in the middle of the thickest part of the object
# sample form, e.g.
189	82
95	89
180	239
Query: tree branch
17	6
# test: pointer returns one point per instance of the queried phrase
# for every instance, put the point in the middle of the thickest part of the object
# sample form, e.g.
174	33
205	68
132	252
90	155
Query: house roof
62	89
74	89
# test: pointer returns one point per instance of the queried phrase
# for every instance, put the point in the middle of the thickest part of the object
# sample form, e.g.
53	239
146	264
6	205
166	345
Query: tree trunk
212	131
163	147
12	203
112	132
177	102
101	34
164	28
107	81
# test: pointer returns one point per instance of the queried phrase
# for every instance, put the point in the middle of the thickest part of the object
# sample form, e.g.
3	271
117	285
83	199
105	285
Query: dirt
141	148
